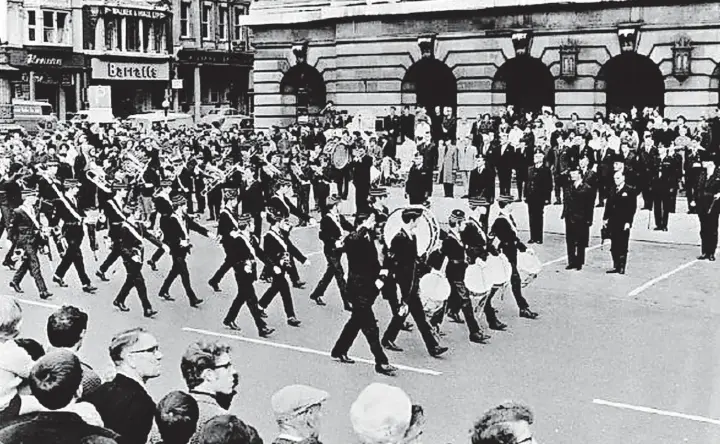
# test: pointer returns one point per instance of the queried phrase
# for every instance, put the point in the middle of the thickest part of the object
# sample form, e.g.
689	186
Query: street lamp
166	105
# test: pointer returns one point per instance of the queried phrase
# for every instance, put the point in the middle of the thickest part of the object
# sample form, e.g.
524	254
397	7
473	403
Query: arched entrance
631	80
432	83
307	85
527	83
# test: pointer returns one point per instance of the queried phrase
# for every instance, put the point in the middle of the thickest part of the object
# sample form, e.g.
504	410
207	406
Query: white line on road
304	350
656	411
562	258
662	277
37	303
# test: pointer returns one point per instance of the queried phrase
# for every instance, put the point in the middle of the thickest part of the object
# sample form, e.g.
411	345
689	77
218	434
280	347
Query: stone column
62	104
78	90
31	80
197	92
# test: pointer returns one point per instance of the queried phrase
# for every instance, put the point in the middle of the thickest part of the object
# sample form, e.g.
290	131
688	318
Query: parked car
173	120
34	117
245	124
218	115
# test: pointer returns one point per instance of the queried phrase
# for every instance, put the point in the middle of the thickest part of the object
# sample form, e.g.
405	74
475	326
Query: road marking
656	411
304	350
662	277
37	303
562	258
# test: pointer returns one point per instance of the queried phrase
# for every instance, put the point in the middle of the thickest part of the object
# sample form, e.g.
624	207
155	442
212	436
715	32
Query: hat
382	413
178	200
412	212
379	192
503	198
117	186
245	218
230	193
457	216
333	200
475	202
293	399
71	183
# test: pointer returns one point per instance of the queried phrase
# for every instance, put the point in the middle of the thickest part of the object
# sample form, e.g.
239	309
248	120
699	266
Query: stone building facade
583	57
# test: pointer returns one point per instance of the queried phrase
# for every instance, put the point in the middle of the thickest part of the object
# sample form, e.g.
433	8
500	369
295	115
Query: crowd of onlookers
50	395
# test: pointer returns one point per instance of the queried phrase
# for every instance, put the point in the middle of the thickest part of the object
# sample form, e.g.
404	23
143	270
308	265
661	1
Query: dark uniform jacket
114	215
51	428
416	182
176	231
125	408
707	188
363	267
283	205
476	242
403	258
506	233
482	184
666	175
227	224
620	208
68	211
454	250
277	246
578	204
248	253
253	199
331	232
25	230
539	186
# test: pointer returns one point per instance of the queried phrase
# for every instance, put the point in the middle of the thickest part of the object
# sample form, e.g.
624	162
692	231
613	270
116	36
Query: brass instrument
219	179
96	175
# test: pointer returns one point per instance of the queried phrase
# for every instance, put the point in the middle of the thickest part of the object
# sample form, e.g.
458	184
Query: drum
427	231
477	280
434	291
340	156
529	267
498	270
374	174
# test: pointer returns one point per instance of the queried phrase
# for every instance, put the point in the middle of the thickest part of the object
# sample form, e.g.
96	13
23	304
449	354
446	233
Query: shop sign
33	59
130	12
106	70
216	58
47	59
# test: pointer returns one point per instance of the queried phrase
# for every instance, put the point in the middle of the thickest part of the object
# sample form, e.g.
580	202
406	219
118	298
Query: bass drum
434	291
498	270
427	231
340	156
477	279
529	266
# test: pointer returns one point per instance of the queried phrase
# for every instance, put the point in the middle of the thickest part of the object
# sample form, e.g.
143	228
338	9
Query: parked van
34	117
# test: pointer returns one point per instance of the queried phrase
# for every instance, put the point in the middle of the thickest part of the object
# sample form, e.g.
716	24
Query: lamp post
166	105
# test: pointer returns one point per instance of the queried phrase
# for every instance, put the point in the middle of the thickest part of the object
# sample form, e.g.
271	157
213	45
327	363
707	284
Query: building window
113	33
239	32
32	26
206	24
215	95
54	24
223	23
185	19
133	27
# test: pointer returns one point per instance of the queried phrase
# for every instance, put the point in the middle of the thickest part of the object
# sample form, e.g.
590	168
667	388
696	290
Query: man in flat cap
383	414
707	194
298	411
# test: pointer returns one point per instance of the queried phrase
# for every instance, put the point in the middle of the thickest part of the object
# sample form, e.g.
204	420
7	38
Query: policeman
578	207
708	193
619	213
538	191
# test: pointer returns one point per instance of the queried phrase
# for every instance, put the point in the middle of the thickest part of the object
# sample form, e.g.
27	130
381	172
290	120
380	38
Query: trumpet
97	176
218	179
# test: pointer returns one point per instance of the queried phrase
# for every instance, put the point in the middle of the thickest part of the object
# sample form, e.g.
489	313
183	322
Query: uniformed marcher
708	208
28	237
618	218
404	267
505	230
365	280
115	218
73	233
333	228
245	265
538	192
693	172
131	234
175	228
227	231
578	207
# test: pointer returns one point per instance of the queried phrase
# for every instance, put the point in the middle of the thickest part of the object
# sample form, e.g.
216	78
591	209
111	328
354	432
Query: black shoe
153	265
45	295
578	268
89	288
345	359
658	229
600	204
438	351
389	345
59	281
318	300
16	287
231	325
455	317
150	313
167	297
621	270
299	284
528	314
196	303
497	325
612	271
120	305
266	332
703	257
386	369
539	242
9	265
479	338
531	241
570	267
101	275
712	258
293	322
214	286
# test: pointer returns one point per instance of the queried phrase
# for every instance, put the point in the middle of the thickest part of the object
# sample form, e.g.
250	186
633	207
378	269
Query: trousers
362	319
415	309
74	235
245	295
31	263
133	279
334	269
179	268
708	233
280	286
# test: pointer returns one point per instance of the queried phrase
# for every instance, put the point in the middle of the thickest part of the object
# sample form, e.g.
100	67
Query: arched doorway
631	80
307	85
527	83
433	84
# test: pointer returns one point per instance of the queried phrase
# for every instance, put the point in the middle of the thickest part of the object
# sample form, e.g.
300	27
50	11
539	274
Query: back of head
66	327
498	425
176	417
98	439
10	317
55	379
228	429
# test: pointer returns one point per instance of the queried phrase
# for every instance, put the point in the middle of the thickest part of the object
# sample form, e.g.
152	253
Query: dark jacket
403	257
174	233
416	182
361	172
51	428
363	267
253	199
24	230
482	184
620	208
477	243
539	186
578	204
286	208
507	235
454	250
706	190
330	232
276	249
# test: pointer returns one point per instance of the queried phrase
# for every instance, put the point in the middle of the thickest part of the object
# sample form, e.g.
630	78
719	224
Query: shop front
213	79
137	85
50	76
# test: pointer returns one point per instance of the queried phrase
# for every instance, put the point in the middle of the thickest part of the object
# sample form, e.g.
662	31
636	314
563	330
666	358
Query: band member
301	184
505	230
578	207
416	188
253	200
707	195
131	234
453	249
48	195
72	216
365	279
403	259
664	185
278	251
320	178
361	165
10	200
227	231
115	217
28	238
163	207
538	192
333	228
247	254
175	229
618	219
482	186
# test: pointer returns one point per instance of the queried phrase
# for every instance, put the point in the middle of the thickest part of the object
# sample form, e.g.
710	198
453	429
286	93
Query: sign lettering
33	59
129	12
130	70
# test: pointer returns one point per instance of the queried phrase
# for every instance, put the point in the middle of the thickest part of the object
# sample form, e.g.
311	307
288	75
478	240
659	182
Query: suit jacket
578	204
666	175
208	408
331	232
416	182
407	126
620	208
454	250
706	189
286	208
482	184
476	242
361	172
227	224
51	428
125	408
539	186
253	199
403	256
363	267
504	159
176	230
25	230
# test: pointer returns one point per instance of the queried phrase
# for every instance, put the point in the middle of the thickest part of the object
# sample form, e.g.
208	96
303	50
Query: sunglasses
153	349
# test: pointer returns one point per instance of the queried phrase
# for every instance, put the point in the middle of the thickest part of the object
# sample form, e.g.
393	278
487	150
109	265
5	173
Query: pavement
612	358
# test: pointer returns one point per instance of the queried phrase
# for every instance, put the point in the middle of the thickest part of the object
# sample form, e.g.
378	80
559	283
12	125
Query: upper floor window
185	19
223	23
239	31
206	22
55	27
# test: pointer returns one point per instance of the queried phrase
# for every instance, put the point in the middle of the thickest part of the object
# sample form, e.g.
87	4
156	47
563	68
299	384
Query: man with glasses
505	424
211	379
123	403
